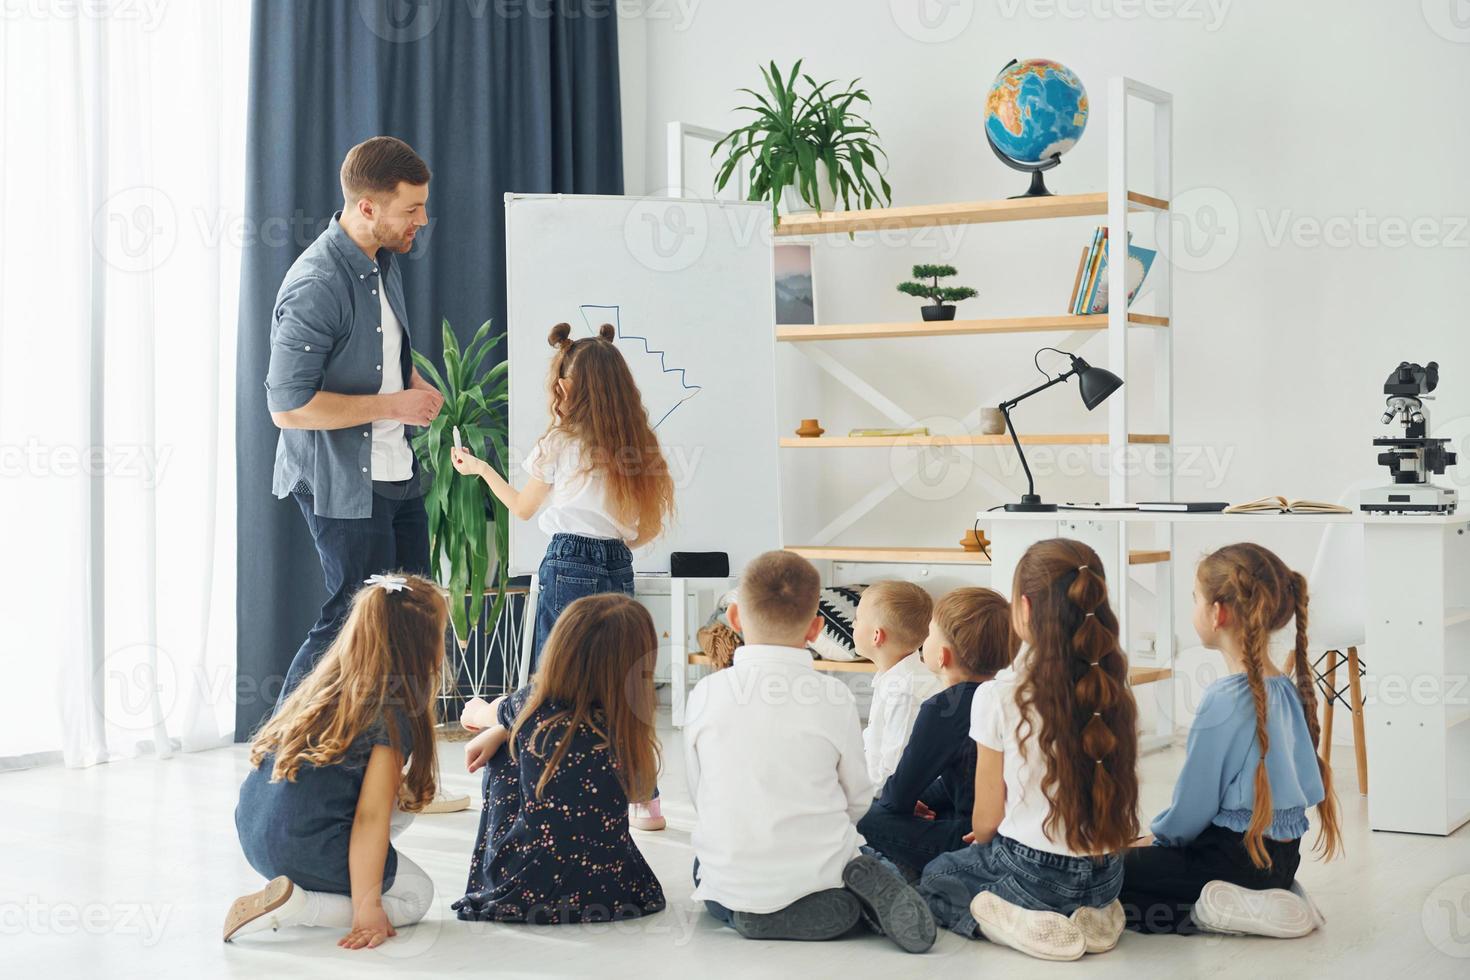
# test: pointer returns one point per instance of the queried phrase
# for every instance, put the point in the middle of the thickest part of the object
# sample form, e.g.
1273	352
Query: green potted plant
807	143
460	509
939	296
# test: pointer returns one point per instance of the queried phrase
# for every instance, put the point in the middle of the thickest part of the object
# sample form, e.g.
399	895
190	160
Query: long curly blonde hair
386	665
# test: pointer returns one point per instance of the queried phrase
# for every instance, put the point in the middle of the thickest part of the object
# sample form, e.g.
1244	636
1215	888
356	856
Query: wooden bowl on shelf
809	429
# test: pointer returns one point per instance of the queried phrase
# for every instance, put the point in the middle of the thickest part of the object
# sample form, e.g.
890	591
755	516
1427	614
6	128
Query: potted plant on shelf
462	511
940	296
806	144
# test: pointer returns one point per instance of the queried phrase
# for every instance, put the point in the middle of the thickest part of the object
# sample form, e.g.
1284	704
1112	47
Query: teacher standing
342	387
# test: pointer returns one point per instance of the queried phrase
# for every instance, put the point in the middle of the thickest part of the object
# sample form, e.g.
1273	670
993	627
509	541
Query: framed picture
692	170
796	288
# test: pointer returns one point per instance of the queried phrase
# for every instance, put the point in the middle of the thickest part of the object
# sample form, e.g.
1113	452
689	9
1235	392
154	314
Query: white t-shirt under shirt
578	502
392	459
994	723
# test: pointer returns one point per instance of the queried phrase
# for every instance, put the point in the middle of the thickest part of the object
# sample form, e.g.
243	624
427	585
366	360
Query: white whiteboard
688	285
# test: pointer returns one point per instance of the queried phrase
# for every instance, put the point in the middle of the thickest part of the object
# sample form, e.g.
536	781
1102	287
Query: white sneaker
1318	918
646	816
1044	935
1233	910
1100	928
277	905
447	803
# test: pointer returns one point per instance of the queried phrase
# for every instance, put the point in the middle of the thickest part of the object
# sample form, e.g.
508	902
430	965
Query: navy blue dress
301	829
567	857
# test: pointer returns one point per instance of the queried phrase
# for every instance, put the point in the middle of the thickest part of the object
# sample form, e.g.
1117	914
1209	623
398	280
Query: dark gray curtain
497	98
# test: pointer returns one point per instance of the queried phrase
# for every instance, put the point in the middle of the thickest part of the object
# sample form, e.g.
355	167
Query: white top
994	719
392	459
774	756
897	694
578	501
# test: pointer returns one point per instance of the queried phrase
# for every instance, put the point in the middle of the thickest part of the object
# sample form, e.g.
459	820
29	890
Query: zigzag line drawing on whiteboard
678	372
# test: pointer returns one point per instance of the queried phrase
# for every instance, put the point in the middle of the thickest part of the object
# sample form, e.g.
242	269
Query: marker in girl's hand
457	444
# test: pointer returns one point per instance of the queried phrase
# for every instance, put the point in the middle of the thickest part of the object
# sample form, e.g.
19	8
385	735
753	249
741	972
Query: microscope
1414	457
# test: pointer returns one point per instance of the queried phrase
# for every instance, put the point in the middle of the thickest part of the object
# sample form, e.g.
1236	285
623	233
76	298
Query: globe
1036	109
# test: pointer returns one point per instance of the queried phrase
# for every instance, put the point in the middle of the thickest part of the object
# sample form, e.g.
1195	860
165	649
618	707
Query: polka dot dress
566	857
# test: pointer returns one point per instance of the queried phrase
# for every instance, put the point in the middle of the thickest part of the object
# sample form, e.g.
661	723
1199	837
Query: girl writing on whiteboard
600	483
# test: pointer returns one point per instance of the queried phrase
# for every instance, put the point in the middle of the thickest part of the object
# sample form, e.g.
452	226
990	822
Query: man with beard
342	386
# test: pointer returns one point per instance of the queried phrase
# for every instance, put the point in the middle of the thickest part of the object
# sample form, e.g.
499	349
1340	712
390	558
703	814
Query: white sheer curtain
121	183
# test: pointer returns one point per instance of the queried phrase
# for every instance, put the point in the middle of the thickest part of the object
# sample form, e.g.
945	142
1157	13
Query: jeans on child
575	567
910	841
1017	874
715	909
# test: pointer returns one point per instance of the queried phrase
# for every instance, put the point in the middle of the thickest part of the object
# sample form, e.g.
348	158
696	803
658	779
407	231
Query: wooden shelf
916	556
878	442
1147	557
966	213
1136	675
958	328
1456	615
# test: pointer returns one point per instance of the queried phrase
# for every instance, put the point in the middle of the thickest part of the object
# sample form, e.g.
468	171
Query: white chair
1336	626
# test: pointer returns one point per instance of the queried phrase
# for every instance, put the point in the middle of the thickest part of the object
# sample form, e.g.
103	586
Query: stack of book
1090	287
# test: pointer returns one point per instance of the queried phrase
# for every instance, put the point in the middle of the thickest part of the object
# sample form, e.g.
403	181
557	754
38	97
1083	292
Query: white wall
1319	116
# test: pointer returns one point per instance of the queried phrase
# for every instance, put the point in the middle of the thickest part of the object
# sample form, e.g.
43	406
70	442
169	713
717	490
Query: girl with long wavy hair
1056	790
1224	855
605	485
561	761
328	786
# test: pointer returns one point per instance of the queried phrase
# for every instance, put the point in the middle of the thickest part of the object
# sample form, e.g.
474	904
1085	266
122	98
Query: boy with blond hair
888	628
774	756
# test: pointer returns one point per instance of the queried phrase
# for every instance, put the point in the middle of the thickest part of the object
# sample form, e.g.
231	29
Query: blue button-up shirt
327	335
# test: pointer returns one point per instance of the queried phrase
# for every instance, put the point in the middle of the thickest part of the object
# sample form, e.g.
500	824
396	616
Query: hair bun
560	336
607	332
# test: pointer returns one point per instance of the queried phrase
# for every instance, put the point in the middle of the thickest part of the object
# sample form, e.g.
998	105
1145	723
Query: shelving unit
1120	326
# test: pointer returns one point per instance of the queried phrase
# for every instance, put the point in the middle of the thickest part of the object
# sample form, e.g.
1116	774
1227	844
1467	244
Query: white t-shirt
994	721
897	694
578	501
773	750
392	459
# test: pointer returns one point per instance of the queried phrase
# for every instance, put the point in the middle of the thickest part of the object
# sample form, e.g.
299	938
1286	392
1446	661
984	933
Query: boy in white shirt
774	755
888	628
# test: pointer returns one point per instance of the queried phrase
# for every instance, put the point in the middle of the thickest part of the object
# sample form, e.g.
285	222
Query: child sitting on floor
327	789
774	756
887	628
561	762
925	807
1226	851
1056	789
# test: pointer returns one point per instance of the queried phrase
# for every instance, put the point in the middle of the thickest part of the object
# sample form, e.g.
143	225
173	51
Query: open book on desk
1280	505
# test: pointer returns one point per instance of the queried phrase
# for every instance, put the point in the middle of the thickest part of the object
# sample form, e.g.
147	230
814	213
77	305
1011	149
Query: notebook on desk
1185	506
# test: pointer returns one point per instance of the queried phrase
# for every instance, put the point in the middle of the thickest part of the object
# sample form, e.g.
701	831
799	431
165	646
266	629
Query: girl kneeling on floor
1226	851
328	789
1056	790
563	758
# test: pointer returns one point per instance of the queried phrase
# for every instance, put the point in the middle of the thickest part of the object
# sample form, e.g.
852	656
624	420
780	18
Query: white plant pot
791	202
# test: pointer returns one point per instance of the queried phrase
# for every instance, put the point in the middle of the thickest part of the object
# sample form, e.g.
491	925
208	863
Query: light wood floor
126	870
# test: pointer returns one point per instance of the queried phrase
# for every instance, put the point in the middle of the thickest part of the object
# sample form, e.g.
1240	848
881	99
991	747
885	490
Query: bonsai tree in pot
939	296
462	511
807	137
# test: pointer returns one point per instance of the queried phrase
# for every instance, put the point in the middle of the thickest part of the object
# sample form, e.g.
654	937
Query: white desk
1417	686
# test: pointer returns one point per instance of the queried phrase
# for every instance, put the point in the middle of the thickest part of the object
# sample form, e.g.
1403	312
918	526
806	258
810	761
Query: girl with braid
1223	857
1056	790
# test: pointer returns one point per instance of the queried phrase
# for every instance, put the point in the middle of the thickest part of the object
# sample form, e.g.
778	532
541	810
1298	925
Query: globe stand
1038	184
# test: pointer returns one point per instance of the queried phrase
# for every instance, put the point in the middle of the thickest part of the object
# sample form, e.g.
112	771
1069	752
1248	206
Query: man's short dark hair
379	165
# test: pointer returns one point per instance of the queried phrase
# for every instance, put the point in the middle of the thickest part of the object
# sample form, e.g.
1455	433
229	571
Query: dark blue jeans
908	841
394	538
1021	875
575	567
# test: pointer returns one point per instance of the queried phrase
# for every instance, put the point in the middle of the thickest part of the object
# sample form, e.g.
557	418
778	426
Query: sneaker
447	803
1100	928
276	905
1044	935
812	918
898	911
1233	910
1318	919
646	816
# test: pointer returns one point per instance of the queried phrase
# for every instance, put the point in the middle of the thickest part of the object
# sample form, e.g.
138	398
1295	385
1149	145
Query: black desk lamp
1096	384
